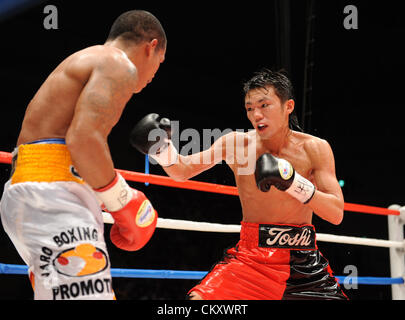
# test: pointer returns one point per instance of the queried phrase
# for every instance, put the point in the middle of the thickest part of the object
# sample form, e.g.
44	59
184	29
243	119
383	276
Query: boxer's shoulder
315	147
103	59
309	142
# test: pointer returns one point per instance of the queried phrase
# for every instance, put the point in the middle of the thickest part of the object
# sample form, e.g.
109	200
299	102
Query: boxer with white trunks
292	177
62	171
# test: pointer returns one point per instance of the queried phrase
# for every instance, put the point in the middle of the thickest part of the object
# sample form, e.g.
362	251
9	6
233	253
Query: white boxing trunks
55	222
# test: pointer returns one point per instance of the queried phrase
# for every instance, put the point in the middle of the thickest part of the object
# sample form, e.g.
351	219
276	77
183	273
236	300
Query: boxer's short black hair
277	79
282	87
138	26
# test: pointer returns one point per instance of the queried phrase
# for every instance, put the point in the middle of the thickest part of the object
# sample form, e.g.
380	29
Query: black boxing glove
151	135
273	171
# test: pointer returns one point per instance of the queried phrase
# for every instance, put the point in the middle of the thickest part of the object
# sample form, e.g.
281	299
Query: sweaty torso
50	112
274	206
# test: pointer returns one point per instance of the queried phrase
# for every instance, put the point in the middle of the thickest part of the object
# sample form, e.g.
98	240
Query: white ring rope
234	228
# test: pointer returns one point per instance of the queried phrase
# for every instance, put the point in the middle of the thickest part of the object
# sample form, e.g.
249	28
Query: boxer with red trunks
286	176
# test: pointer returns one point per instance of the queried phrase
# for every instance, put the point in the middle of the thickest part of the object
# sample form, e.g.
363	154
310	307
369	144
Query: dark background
356	77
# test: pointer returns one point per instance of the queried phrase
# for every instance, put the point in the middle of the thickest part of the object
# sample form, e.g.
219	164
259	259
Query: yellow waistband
44	163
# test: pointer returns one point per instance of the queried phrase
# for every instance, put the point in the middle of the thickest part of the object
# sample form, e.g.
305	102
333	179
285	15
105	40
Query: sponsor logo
290	237
285	168
91	287
72	235
145	215
69	237
82	260
73	265
74	172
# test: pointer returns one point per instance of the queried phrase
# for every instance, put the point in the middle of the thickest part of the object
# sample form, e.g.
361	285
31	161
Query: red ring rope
5	157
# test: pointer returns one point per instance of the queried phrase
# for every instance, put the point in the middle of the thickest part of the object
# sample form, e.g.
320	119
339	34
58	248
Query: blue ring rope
197	275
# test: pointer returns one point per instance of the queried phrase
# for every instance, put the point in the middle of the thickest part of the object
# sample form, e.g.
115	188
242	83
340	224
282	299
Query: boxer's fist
272	171
134	217
151	135
149	132
134	224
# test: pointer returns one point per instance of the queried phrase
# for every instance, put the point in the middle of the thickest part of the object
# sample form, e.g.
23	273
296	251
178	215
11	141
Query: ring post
397	255
146	167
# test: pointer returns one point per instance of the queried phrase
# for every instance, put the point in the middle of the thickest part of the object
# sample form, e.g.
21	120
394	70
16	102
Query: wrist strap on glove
167	155
115	195
301	189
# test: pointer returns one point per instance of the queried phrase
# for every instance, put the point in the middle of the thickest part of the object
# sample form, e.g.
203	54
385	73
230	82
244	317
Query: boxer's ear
151	47
289	106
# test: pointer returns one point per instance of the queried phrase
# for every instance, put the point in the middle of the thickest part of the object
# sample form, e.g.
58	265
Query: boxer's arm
189	166
327	201
98	109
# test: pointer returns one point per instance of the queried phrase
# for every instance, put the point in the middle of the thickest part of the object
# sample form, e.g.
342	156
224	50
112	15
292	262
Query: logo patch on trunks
74	172
288	237
82	260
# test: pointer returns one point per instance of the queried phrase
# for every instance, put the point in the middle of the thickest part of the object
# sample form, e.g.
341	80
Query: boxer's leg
61	239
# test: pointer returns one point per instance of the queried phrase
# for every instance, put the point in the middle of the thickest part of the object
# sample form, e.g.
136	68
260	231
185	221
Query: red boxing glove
134	217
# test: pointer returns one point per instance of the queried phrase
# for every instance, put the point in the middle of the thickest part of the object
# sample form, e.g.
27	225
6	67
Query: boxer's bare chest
273	206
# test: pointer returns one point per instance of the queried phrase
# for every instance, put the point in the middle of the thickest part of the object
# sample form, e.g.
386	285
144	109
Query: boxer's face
266	112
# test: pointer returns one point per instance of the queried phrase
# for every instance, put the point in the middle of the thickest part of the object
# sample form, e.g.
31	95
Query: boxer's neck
278	141
130	50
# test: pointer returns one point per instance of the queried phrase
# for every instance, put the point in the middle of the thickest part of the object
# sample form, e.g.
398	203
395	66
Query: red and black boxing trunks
272	262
